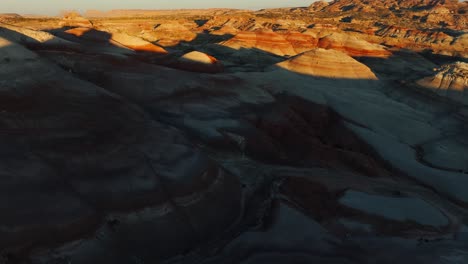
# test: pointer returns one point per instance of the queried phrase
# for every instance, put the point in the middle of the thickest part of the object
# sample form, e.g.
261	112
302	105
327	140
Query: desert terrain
335	133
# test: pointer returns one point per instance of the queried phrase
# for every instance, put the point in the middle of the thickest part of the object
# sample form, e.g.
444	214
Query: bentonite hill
332	134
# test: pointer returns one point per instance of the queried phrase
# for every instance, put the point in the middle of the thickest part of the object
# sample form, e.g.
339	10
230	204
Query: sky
53	7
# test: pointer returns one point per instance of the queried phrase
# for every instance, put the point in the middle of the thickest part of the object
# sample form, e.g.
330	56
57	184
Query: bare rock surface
449	81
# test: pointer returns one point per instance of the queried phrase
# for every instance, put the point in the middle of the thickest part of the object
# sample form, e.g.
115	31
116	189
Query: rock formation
137	44
199	62
450	81
352	45
75	22
7	17
262	40
318	5
169	34
116	38
290	43
328	64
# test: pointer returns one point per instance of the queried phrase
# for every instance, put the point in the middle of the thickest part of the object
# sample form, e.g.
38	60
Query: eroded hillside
335	133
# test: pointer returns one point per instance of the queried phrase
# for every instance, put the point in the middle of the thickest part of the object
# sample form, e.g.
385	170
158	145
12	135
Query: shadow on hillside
82	35
34	44
440	59
99	43
96	48
286	128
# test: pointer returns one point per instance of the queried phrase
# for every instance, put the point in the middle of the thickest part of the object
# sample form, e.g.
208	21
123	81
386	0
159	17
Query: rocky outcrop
328	64
366	6
75	22
318	5
416	36
460	44
440	13
349	5
9	17
450	81
169	33
419	40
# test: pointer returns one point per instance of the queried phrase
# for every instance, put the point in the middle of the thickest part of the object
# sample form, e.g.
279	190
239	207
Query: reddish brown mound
301	42
267	41
137	44
291	43
353	46
328	64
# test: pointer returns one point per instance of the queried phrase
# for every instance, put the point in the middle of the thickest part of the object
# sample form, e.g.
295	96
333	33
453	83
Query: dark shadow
201	22
14	36
206	38
347	19
352	30
93	41
82	35
440	59
406	62
348	7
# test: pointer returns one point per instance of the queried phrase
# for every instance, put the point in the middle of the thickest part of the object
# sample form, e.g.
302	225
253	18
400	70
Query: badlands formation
334	133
